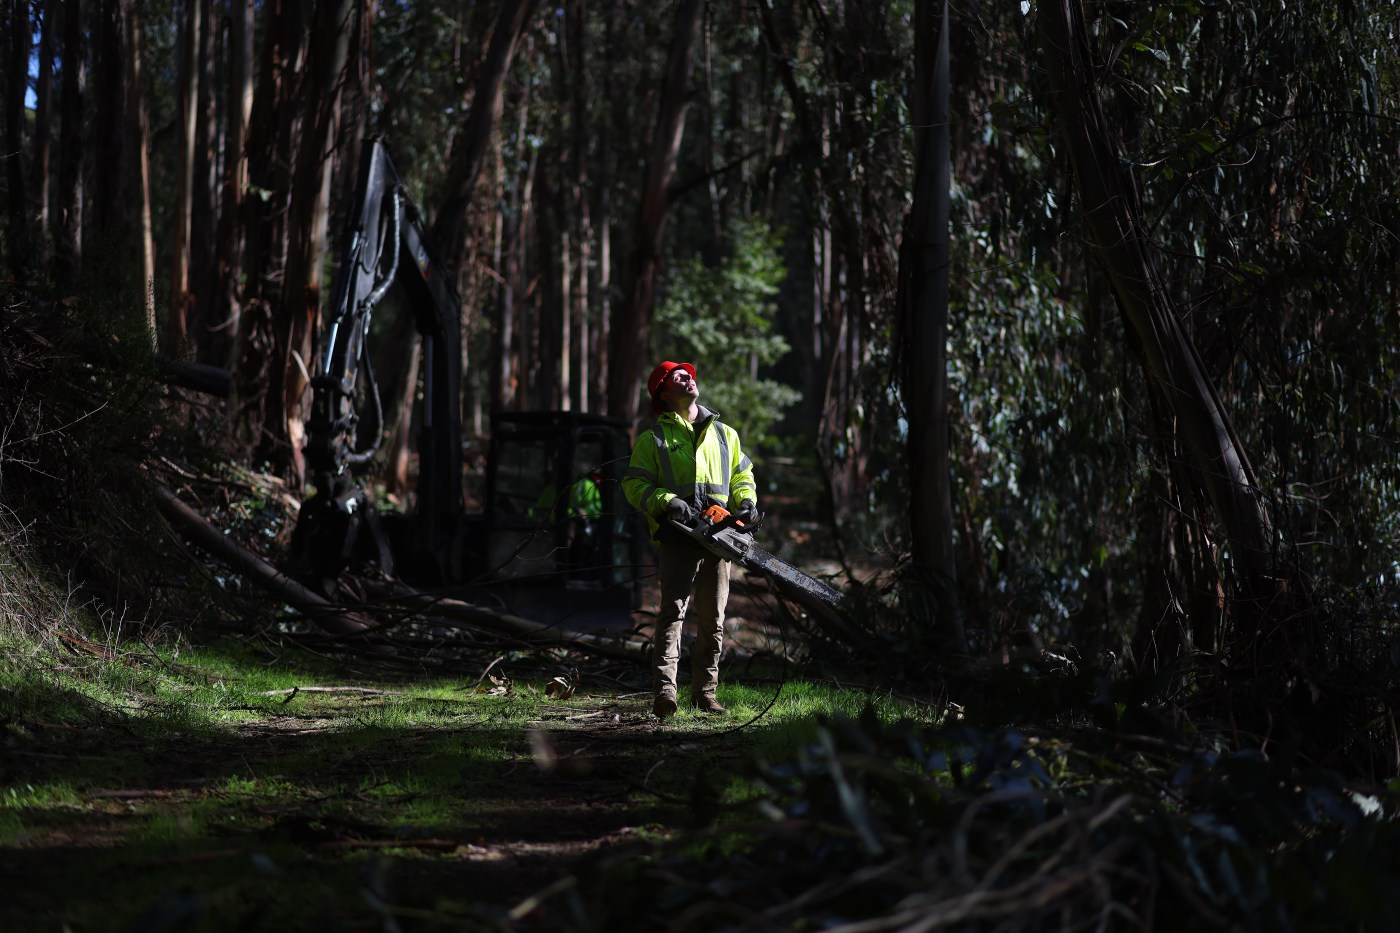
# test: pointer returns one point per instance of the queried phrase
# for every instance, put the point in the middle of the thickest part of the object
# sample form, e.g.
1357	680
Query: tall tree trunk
629	331
217	339
549	346
187	123
332	32
923	305
1113	215
139	131
109	197
469	146
566	299
43	126
270	134
579	198
609	157
68	237
833	370
202	211
526	345
16	83
447	231
503	370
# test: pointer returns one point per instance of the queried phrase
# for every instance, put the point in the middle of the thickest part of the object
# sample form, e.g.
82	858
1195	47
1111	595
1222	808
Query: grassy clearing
299	790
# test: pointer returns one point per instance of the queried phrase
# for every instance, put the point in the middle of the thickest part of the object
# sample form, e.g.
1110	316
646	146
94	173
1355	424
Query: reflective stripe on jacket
672	459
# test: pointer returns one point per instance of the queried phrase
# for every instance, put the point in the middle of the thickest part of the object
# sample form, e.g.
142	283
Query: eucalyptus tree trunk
579	198
469	146
923	305
217	339
16	81
565	297
609	160
187	122
547	347
524	348
629	331
332	30
833	369
271	125
1112	210
139	132
43	124
110	203
202	188
68	233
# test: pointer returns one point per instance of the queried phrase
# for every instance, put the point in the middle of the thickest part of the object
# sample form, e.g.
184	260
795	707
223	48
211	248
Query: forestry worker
687	461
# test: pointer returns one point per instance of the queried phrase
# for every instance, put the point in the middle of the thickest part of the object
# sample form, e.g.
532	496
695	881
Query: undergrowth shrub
902	826
83	425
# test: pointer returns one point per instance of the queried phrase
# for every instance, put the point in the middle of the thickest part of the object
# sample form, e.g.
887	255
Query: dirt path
322	804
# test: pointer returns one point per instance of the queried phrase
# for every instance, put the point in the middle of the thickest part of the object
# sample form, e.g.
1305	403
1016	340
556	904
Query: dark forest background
1143	402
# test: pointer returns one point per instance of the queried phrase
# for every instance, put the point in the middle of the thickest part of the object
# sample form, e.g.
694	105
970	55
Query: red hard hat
658	376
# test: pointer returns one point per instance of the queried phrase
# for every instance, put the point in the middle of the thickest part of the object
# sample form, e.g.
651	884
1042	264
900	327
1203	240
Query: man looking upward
687	460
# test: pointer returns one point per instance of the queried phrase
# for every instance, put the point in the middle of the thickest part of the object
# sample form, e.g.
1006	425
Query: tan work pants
683	570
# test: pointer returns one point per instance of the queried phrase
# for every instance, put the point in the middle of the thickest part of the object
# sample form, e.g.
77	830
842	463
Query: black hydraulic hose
366	309
363	456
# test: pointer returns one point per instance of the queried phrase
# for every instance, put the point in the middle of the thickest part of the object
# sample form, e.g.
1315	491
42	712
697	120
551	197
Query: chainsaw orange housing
718	513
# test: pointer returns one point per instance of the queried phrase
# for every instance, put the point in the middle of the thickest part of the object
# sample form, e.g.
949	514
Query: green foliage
722	318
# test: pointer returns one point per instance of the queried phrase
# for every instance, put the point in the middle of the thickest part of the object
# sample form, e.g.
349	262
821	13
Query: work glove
747	512
679	510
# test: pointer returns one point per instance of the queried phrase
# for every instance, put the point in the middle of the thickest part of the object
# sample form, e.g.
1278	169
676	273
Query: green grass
203	766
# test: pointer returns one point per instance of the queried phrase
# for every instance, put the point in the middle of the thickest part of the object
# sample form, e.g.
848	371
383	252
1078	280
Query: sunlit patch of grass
166	825
28	796
430	810
254	789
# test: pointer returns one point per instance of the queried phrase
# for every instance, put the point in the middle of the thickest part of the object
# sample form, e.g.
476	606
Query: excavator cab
556	541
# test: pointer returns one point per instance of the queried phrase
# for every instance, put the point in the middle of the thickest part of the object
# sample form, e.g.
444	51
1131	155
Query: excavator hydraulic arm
384	246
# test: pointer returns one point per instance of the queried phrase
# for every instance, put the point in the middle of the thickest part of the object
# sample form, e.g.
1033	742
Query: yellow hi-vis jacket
675	459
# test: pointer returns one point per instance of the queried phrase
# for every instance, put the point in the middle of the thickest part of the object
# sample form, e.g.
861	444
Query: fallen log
199	377
338	620
445	610
320	611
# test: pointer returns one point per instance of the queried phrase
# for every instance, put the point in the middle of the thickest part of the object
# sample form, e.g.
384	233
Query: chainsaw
718	531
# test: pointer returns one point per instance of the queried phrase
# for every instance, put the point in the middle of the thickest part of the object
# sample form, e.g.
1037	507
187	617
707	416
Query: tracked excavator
554	541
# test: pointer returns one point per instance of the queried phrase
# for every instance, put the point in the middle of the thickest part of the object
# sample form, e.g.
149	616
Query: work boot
665	704
707	704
